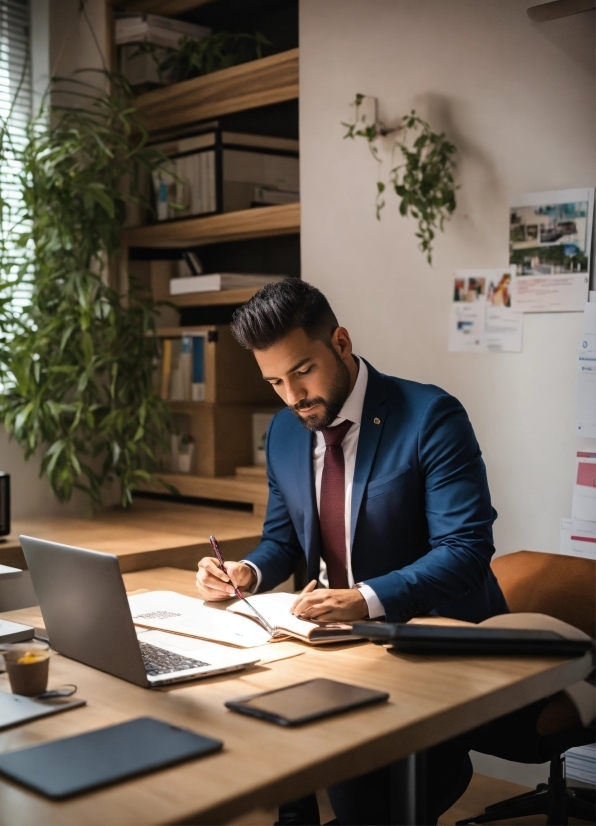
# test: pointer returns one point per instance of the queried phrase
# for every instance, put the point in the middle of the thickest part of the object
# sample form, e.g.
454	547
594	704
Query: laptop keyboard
157	661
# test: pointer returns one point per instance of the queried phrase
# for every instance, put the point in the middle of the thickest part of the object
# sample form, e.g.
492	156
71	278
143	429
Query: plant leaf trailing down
193	58
76	364
424	180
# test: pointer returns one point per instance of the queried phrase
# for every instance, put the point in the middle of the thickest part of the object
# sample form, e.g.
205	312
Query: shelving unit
234	390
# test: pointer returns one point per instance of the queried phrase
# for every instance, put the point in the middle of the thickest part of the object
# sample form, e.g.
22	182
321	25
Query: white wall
517	99
61	42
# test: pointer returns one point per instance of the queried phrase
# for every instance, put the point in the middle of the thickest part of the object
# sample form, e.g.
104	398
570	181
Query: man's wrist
254	576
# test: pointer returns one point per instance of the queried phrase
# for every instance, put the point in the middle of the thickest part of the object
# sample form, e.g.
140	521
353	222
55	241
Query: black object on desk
471	640
4	503
98	758
304	702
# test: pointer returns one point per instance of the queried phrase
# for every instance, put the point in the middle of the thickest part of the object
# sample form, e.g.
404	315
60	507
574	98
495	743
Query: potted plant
76	361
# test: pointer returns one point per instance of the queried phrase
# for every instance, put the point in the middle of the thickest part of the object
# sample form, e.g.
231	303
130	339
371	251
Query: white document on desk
179	614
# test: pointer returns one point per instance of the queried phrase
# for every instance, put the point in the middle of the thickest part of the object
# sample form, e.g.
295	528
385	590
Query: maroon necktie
333	505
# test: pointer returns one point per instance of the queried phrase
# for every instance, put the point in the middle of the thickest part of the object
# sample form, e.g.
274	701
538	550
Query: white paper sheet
168	611
482	320
577	541
585	404
550	239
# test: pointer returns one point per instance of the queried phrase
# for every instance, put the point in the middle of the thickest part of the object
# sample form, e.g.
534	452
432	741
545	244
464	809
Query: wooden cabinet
231	372
222	434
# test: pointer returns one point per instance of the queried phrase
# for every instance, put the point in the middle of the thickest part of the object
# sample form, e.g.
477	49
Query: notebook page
168	611
275	608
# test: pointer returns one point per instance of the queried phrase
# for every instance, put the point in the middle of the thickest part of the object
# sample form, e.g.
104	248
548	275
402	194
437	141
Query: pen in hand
238	592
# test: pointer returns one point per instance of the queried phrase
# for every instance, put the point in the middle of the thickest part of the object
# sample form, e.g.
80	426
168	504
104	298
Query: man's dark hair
279	308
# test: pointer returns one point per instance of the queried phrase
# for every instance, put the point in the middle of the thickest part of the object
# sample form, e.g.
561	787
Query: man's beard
338	393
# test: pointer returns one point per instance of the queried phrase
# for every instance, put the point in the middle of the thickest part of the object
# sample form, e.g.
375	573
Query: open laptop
87	618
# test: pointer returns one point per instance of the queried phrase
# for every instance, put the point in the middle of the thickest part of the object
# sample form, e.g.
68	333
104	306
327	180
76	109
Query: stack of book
218	171
140	69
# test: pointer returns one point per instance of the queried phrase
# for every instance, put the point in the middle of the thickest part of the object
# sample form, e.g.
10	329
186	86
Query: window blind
15	111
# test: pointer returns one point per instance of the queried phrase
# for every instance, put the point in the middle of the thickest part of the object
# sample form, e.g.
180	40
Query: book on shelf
234	625
273	197
182	372
214	172
220	281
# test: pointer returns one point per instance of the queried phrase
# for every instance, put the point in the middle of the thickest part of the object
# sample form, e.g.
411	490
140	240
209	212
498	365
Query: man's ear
342	343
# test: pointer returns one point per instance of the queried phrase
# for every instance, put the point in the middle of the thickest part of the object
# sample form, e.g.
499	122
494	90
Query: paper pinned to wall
481	319
585	406
550	237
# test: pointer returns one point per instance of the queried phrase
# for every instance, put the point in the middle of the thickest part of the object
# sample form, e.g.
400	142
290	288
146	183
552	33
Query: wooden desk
150	534
432	699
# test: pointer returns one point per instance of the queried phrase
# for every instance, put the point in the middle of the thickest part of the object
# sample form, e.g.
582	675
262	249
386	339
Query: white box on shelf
220	281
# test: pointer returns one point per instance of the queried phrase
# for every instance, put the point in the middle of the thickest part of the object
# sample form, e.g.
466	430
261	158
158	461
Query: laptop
87	618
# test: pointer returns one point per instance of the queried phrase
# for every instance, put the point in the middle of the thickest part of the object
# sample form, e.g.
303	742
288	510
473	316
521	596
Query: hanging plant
77	362
423	180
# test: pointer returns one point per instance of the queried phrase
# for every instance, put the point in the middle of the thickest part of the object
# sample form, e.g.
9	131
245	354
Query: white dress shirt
351	410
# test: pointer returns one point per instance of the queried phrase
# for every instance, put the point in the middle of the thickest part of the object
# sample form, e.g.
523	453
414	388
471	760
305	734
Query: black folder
100	758
471	640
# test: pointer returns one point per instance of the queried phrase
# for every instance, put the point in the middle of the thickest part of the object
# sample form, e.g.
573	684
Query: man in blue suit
377	481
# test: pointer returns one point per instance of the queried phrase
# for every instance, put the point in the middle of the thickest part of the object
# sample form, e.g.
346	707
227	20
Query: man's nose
294	395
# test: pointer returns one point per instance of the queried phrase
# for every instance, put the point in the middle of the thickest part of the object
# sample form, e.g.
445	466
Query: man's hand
330	605
214	585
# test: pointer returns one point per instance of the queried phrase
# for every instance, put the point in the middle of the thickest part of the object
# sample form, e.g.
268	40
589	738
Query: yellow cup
28	666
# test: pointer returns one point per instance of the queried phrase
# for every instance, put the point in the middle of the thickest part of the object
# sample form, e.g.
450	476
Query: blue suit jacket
421	513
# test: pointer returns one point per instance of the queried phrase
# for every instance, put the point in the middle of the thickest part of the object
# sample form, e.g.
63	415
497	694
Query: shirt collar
352	409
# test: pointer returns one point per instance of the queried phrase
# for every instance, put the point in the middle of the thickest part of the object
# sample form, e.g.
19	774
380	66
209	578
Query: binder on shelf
166	369
215	172
198	369
273	197
183	368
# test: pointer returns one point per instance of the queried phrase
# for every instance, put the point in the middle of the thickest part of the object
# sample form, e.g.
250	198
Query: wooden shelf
215	299
249	490
261	82
260	222
163	7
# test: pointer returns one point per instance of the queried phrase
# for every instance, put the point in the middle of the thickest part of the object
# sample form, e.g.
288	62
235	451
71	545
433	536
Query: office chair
563	587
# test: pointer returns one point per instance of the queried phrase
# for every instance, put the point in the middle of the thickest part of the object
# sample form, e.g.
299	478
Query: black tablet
99	758
303	702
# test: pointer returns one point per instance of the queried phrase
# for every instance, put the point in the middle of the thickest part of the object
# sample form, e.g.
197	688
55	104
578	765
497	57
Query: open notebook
234	625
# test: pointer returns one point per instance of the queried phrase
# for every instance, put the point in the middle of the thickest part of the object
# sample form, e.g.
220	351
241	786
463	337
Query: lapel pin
376	421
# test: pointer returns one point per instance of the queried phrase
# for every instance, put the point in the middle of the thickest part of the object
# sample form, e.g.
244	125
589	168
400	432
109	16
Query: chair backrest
560	586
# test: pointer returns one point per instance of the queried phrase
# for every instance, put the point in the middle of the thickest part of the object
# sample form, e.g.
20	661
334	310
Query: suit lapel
371	427
306	486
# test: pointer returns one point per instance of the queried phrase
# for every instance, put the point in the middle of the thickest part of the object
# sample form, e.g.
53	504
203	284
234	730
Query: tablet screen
308	700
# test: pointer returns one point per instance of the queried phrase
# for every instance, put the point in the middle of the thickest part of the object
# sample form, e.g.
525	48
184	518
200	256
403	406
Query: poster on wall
482	319
550	238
